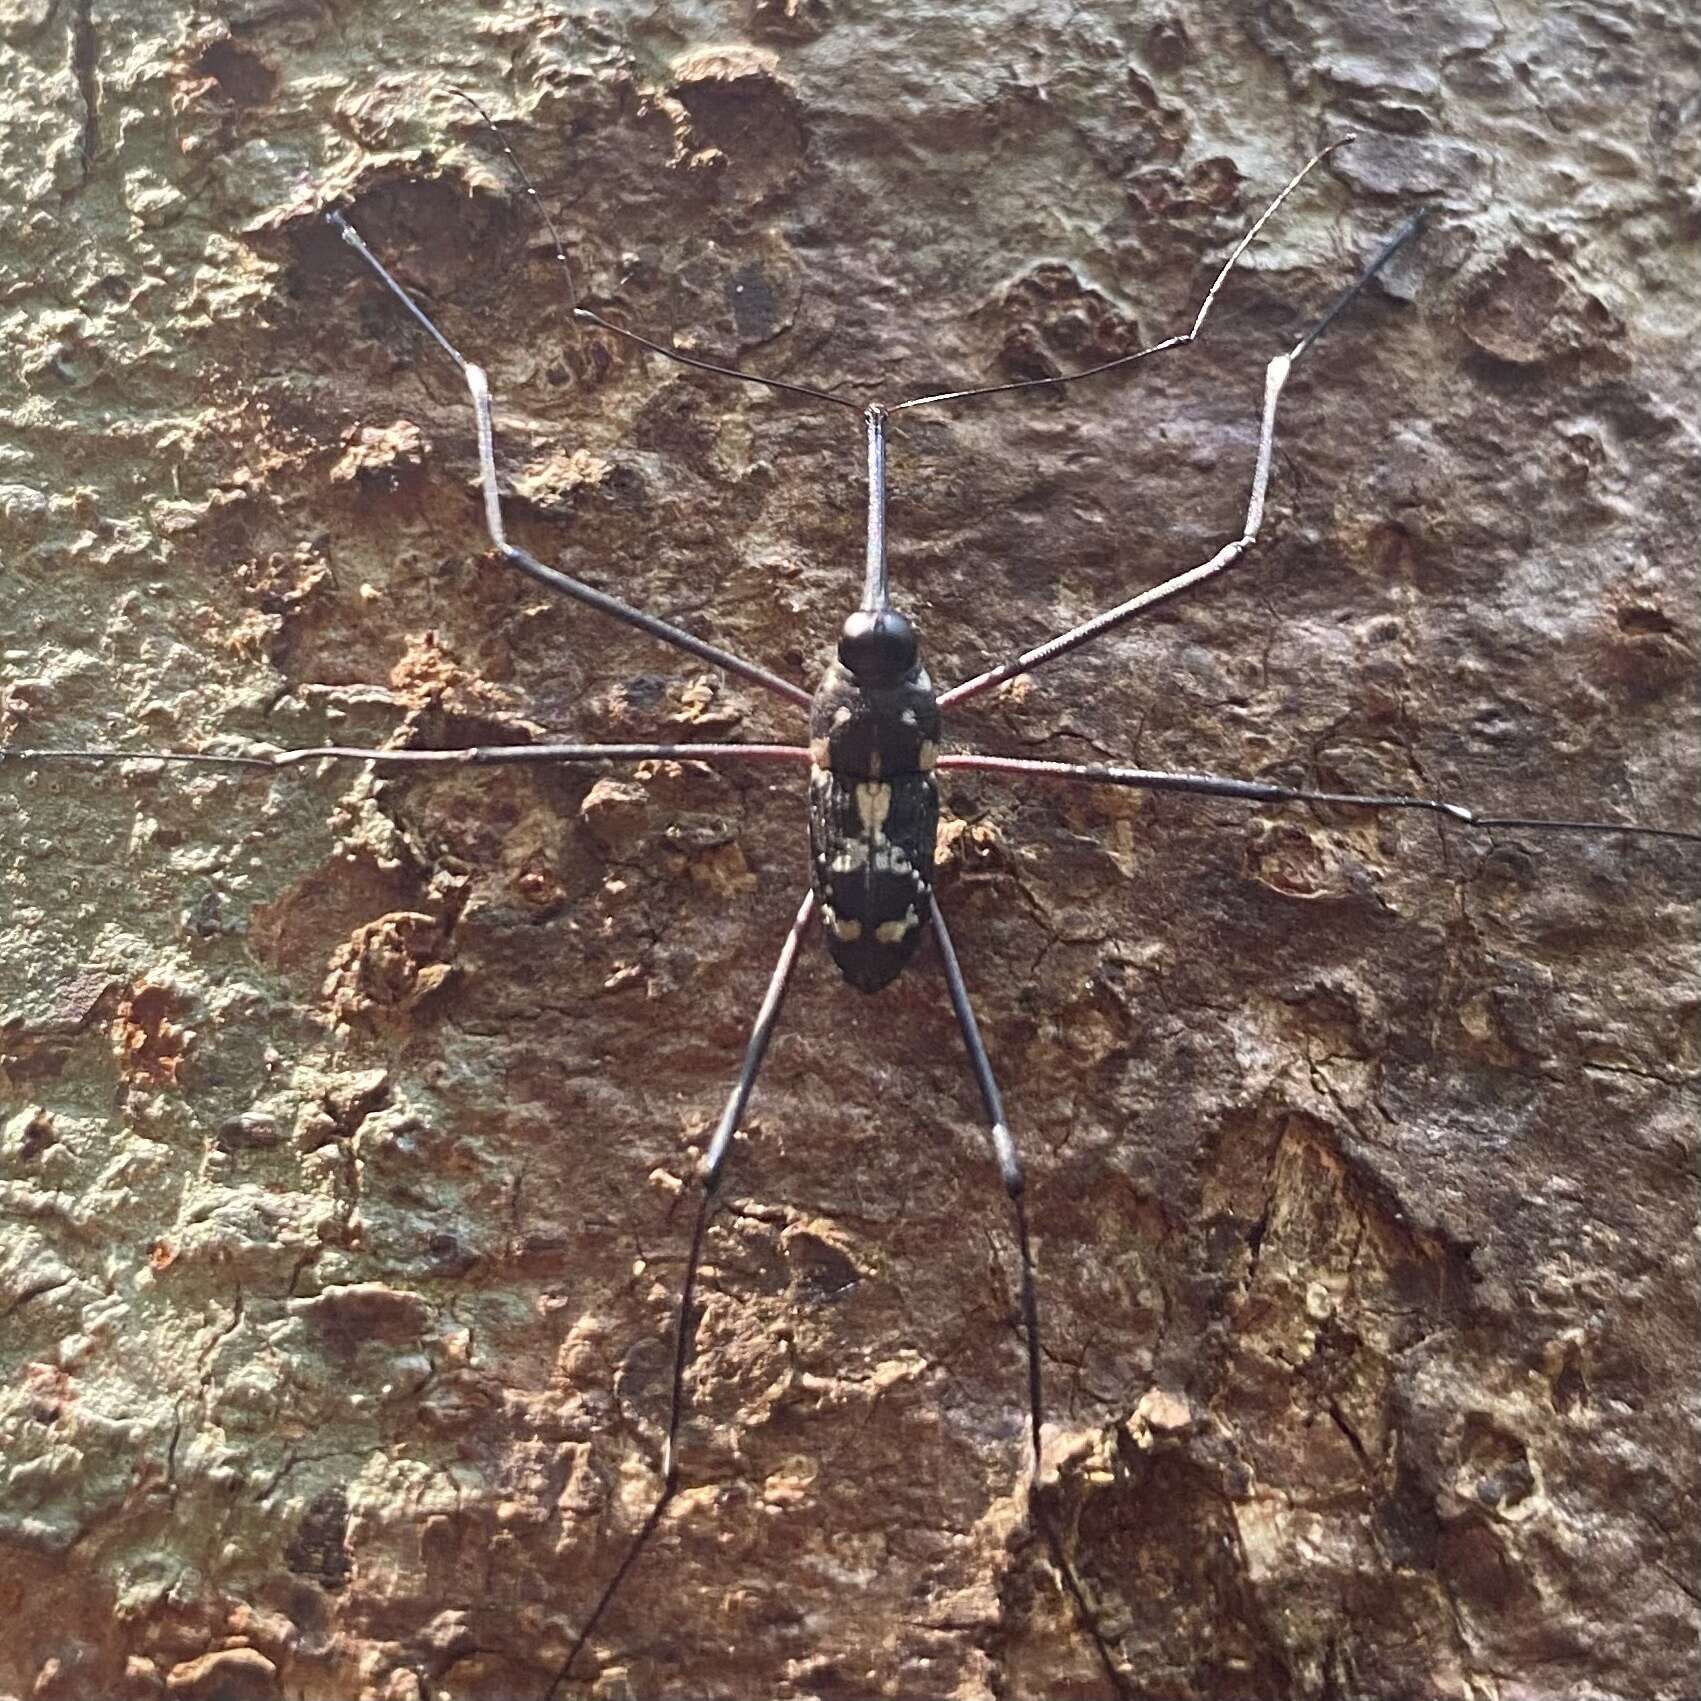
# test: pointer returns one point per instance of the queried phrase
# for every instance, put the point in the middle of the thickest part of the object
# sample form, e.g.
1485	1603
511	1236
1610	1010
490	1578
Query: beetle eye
877	646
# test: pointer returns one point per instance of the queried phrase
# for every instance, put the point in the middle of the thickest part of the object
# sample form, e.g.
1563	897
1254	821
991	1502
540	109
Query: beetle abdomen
871	843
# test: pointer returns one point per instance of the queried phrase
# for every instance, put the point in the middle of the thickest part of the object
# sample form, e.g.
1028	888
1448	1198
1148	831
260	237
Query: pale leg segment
1259	791
473	756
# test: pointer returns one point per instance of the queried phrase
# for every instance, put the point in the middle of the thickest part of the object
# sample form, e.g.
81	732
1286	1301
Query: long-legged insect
872	755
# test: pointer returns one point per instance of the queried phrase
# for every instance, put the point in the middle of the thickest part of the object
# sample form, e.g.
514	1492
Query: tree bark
347	1123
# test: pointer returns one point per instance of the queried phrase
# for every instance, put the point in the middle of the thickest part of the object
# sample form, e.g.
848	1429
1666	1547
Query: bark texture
344	1121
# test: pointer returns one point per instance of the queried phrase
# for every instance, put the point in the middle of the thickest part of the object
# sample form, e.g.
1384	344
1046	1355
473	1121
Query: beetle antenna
585	316
1181	338
531	189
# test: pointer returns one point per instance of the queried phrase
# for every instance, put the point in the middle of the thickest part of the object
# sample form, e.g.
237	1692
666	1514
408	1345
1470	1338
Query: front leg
1275	377
478	386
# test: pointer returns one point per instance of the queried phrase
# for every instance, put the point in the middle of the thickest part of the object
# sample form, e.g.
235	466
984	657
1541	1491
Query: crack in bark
49	1285
85	58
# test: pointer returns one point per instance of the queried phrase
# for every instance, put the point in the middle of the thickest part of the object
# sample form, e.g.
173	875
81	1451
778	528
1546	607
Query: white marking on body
908	717
820	753
845	928
892	932
852	858
927	755
841	715
873	805
892	859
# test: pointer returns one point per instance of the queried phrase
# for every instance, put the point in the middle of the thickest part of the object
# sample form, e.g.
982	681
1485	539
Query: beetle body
873	803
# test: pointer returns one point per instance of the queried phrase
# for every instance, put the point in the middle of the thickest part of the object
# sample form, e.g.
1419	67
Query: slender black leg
709	1177
478	387
1275	376
1010	1172
475	756
1257	791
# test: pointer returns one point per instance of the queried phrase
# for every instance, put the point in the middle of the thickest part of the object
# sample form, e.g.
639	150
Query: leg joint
1009	1163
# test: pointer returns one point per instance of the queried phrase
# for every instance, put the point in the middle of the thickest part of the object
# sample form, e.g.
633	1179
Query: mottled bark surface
344	1121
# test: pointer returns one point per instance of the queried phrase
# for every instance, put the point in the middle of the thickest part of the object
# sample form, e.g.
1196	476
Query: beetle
841	820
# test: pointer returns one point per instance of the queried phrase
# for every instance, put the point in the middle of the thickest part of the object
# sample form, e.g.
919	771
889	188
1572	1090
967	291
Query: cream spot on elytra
873	805
892	932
